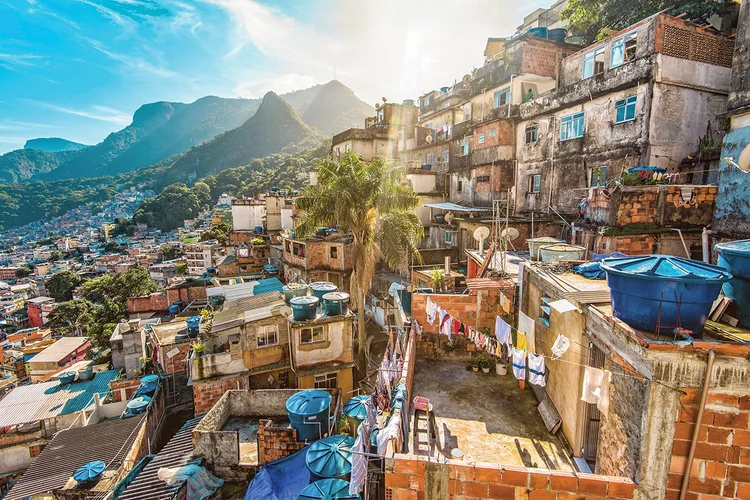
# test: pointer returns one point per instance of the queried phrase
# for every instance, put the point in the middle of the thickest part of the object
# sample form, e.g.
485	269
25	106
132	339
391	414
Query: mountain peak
53	144
336	108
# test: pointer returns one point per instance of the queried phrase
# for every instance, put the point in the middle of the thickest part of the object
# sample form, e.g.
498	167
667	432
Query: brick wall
206	394
175	364
155	302
130	386
275	443
721	468
413	478
541	57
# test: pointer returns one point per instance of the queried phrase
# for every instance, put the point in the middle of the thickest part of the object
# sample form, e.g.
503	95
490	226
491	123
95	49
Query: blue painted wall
732	212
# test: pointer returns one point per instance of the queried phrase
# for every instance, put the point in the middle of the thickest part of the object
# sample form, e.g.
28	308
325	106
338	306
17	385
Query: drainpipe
706	245
684	245
698	421
510	99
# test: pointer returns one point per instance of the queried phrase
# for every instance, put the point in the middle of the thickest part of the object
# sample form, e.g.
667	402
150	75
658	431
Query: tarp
280	480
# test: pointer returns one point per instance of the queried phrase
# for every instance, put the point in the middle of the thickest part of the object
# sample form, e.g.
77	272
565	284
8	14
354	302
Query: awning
457	208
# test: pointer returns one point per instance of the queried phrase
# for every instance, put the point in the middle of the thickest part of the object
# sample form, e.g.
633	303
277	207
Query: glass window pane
620	114
630	112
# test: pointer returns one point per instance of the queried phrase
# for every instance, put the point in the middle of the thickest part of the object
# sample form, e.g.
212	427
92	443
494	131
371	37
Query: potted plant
437	279
475	363
481	361
501	367
199	348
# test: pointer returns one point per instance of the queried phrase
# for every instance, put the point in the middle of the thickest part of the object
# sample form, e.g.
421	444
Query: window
327	381
467	111
571	127
448	238
381	115
427	100
288	247
446	105
599	176
430	159
493	133
312	335
464	145
625	109
444	156
532	134
502	97
544	313
334	252
268	335
483	178
593	62
481	138
535	183
623	49
460	186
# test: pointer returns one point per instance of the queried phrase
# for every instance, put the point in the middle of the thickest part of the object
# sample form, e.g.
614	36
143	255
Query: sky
79	69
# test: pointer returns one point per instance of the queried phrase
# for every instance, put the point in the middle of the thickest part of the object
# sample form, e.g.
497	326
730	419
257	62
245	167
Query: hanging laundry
359	463
502	332
446	325
431	310
519	364
392	431
603	404
457	325
593	379
520	341
526	326
536	369
561	345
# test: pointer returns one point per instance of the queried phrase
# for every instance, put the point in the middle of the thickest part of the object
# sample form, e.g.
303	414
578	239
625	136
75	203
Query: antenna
466	79
480	234
428	139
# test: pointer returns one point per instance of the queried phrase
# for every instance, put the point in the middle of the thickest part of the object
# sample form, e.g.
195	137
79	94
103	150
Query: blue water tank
336	303
258	229
67	377
193	326
557	34
89	473
327	489
639	284
539	32
304	308
173	309
309	411
136	406
735	258
148	386
331	457
320	288
356	408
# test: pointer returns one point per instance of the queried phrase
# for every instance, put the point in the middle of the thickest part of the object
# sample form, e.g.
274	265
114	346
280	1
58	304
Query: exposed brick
497	491
563	481
621	487
515	476
592	484
743	491
541	495
471	489
718	435
394	480
741	438
487	474
727	399
709	486
461	472
738	421
739	473
711	451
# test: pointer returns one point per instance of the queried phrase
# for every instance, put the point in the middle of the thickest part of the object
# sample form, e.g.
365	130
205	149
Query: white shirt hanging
431	310
593	378
526	326
561	345
536	370
519	364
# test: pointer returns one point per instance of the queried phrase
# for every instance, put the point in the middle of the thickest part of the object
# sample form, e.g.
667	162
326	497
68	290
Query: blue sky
78	69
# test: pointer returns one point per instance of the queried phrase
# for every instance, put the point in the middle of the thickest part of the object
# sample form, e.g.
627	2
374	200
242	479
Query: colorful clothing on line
526	326
519	364
520	341
431	310
536	370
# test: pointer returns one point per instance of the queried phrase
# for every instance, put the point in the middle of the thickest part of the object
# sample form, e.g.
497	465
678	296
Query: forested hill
53	145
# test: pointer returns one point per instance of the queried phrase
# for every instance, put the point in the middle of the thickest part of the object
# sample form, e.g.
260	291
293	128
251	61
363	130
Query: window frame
629	103
482	178
622	42
493	133
323	381
459	186
568	125
590	56
427	99
449	238
601	178
464	145
544	313
430	159
535	184
535	132
445	156
312	330
496	97
480	138
263	332
333	252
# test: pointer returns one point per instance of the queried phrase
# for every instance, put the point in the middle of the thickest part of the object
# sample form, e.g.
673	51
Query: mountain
273	127
53	145
21	164
301	99
335	108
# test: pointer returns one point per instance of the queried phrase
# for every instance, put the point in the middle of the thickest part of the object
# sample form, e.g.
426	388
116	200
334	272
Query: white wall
246	217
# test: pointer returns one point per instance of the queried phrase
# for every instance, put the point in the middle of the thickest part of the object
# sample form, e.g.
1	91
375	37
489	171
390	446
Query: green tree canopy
24	270
62	284
368	201
168	252
71	318
119	288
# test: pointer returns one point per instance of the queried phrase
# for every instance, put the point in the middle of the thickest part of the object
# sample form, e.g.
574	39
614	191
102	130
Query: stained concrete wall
732	213
739	97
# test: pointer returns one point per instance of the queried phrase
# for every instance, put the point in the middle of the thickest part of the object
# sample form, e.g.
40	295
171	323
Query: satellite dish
384	99
510	233
377	105
480	234
466	79
449	217
447	118
744	161
428	139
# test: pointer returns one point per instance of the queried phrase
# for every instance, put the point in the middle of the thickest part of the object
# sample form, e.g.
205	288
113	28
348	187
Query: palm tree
366	200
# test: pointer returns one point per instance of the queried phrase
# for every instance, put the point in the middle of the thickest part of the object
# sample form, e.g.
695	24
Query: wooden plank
590	296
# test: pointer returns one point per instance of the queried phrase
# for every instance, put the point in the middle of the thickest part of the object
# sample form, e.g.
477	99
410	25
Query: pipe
679	231
706	245
698	421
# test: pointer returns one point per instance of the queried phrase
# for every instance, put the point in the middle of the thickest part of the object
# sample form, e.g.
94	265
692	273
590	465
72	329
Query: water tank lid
90	471
322	284
740	247
327	489
307	300
331	456
149	379
356	407
138	403
562	247
307	403
665	267
336	297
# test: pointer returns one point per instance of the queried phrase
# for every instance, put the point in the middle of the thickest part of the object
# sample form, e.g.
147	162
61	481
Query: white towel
603	403
446	326
359	463
536	370
593	378
431	309
526	326
502	332
519	364
560	346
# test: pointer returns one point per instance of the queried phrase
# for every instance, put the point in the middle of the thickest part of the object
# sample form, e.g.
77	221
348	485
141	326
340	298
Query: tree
589	17
62	284
367	200
24	270
71	318
133	283
182	268
168	252
55	255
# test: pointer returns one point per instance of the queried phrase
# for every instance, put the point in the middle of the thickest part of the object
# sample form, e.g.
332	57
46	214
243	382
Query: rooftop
32	403
109	442
166	333
60	349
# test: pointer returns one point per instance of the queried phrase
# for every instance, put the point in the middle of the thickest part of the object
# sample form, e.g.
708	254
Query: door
591	415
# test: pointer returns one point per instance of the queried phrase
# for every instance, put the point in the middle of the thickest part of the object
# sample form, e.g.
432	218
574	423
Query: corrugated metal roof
60	349
176	452
457	208
109	442
32	403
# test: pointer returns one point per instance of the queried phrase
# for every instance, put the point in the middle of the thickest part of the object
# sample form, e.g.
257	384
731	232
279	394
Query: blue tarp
280	480
592	270
268	285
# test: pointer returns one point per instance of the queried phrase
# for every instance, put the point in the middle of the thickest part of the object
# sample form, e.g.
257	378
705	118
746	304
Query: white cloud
394	48
20	59
281	84
101	113
131	63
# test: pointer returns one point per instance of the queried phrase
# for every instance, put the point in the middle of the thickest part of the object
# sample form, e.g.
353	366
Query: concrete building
202	256
38	308
66	351
128	347
318	258
247	214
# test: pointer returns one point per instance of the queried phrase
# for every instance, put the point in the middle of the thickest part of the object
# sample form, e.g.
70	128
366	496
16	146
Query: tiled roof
60	349
176	452
109	442
32	403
